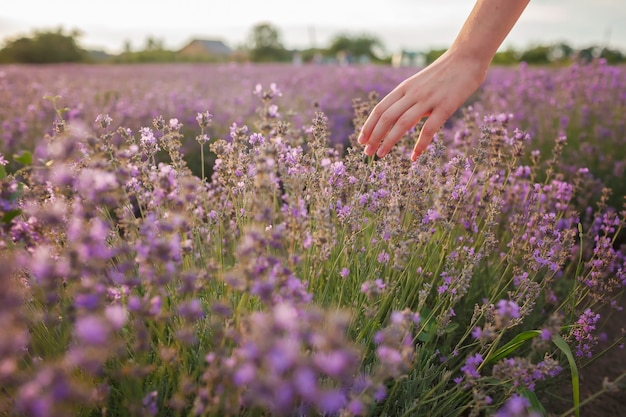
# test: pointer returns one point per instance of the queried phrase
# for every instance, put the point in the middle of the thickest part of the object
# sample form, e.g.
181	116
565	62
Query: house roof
213	46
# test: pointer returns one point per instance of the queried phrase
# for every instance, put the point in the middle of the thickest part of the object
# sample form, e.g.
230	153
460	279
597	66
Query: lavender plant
582	103
299	278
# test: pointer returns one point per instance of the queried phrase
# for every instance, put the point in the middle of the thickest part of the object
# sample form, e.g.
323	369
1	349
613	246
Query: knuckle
386	119
405	122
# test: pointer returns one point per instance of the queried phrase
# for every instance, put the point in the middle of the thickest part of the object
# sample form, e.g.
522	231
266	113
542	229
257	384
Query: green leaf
535	404
24	157
10	215
424	336
563	346
512	345
3	172
451	327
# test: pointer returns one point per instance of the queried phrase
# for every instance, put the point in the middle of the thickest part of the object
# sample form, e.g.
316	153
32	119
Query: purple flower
204	119
331	401
333	363
256	139
174	124
356	408
583	333
305	381
383	257
149	403
380	394
202	139
389	356
470	369
373	288
272	111
87	301
148	141
245	374
103	121
516	406
431	216
191	309
116	315
506	310
91	330
477	332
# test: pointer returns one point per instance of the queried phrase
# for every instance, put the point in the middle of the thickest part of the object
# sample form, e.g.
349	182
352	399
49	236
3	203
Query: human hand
435	92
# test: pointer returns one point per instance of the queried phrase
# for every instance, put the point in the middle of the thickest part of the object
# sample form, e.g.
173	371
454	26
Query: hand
435	92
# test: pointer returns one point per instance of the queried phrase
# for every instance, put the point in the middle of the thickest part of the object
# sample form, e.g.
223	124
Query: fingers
402	125
430	128
396	114
385	121
373	120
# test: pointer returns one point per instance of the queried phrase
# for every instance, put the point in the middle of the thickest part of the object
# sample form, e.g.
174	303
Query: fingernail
381	153
361	139
368	149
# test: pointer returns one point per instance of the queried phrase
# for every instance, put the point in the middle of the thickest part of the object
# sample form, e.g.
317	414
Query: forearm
488	24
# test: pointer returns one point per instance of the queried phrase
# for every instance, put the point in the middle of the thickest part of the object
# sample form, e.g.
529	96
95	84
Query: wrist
476	65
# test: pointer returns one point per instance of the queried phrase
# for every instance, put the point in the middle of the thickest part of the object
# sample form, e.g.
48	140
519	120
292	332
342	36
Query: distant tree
140	57
433	54
507	57
357	46
265	44
588	54
311	54
153	51
612	56
153	44
560	52
44	47
537	55
128	46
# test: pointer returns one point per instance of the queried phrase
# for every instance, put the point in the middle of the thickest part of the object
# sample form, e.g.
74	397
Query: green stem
592	397
202	160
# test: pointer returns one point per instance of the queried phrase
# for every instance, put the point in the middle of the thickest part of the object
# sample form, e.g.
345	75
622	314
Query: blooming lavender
295	276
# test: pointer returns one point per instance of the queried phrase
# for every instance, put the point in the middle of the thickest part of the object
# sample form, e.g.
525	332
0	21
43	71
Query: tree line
265	44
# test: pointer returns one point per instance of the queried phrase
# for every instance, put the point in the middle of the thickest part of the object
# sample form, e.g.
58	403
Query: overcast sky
399	24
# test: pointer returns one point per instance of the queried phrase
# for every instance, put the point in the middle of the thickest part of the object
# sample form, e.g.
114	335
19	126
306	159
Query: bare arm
441	88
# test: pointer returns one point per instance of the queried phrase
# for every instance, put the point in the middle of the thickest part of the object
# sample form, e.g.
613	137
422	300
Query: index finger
374	117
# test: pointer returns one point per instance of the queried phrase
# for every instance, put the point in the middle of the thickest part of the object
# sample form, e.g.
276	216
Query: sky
399	24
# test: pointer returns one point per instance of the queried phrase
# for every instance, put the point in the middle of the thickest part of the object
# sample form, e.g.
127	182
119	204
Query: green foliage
357	46
146	56
612	56
266	45
564	347
44	47
536	55
433	54
153	51
507	57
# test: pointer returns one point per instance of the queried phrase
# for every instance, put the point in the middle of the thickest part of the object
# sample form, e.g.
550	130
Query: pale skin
438	90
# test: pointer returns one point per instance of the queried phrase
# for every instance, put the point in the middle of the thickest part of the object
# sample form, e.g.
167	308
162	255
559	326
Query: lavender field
208	240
